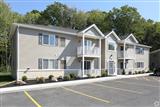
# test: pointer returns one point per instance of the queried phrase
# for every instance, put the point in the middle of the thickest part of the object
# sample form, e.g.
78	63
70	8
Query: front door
111	67
87	67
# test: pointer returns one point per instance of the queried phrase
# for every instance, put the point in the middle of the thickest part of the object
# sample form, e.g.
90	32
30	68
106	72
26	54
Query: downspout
124	54
83	55
17	53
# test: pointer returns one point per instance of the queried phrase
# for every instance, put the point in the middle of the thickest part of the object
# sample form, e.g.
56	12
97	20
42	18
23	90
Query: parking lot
132	92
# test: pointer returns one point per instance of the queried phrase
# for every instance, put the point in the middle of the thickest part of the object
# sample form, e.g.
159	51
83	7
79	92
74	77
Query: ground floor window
140	64
63	64
47	63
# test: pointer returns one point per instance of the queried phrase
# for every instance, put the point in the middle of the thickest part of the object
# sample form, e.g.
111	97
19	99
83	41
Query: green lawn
5	77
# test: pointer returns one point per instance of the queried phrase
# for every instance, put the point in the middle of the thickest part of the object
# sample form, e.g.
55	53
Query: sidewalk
65	83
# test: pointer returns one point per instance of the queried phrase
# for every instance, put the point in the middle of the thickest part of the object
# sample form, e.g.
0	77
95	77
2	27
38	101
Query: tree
79	20
124	19
97	17
32	17
57	14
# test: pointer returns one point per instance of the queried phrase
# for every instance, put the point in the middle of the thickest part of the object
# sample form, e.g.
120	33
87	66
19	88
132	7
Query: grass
5	77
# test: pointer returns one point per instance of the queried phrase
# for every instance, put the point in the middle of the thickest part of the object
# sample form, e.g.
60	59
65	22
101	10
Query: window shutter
40	39
39	63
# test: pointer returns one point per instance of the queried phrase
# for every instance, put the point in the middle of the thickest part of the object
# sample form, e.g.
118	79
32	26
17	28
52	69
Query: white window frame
50	65
113	45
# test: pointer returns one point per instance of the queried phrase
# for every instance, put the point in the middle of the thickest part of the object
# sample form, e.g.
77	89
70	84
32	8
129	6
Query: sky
149	9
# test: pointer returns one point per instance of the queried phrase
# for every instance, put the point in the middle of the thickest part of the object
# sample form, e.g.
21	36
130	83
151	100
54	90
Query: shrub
104	73
98	76
72	76
66	78
89	75
37	79
123	72
136	72
24	78
143	72
129	73
50	77
139	72
41	80
60	78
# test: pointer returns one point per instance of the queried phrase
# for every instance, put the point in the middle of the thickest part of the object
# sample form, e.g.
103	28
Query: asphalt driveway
132	92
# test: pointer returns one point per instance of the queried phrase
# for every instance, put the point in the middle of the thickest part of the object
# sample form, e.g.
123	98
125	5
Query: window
139	50
47	64
111	46
45	39
140	64
51	40
63	64
62	42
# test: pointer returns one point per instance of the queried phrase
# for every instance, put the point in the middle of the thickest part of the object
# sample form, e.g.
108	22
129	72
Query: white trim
93	25
131	35
112	32
17	54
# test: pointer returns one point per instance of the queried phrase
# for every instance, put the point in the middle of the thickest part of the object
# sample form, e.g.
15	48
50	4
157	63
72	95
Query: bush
37	79
24	78
139	72
129	73
60	78
98	76
104	73
89	75
143	72
50	77
40	79
123	72
72	76
136	72
66	78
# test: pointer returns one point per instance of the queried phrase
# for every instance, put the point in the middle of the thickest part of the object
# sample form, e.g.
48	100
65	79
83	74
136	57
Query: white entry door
111	68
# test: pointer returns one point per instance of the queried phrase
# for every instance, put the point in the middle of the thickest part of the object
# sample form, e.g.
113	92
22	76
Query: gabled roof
112	32
92	26
131	35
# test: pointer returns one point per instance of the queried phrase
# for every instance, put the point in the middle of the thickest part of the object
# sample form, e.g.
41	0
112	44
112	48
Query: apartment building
39	50
124	54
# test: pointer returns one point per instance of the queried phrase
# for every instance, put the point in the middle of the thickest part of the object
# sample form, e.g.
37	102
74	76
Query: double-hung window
111	46
47	64
139	50
45	39
140	64
51	40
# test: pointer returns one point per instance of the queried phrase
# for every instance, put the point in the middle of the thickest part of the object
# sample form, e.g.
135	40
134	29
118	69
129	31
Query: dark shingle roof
52	27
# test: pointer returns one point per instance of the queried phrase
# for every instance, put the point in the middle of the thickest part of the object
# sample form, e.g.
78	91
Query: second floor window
51	40
111	46
139	50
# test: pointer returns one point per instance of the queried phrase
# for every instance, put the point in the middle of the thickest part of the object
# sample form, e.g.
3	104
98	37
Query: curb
66	83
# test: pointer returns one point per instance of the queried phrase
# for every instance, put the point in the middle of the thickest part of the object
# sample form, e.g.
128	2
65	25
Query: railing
95	51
